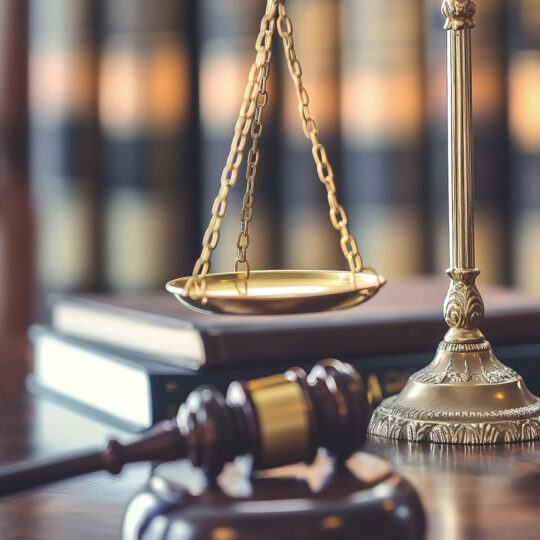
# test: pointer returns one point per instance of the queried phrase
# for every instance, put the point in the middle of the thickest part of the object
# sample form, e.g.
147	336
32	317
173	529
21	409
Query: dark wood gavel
277	420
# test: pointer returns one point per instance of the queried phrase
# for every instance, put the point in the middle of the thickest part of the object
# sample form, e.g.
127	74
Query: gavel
276	420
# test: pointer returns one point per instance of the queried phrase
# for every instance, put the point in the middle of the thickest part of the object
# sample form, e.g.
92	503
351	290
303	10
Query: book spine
490	137
437	144
382	376
63	134
230	348
145	92
524	115
16	265
227	49
383	131
308	238
170	391
490	127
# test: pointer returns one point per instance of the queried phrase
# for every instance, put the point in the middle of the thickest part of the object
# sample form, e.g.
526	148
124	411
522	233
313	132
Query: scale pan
279	292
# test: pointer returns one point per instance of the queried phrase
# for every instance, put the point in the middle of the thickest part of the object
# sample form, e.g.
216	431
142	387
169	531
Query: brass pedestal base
465	396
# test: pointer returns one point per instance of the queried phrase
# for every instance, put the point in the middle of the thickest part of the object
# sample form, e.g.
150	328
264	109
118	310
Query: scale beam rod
463	307
460	140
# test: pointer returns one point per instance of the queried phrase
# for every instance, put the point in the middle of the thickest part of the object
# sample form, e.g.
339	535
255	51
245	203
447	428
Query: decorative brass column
465	395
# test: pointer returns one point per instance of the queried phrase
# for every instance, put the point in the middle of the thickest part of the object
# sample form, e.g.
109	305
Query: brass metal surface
465	395
279	291
250	122
460	163
283	420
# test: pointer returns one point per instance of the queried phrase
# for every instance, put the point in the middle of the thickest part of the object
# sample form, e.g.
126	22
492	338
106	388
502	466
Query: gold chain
338	216
234	159
254	101
242	243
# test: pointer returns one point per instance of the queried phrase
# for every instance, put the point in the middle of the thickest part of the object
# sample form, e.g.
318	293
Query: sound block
364	498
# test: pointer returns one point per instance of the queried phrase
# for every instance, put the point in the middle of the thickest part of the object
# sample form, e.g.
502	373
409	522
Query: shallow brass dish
272	292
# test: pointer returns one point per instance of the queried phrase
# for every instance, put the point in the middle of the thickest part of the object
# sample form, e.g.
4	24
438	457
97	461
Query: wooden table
467	492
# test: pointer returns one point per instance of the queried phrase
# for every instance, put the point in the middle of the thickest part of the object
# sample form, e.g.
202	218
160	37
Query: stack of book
133	359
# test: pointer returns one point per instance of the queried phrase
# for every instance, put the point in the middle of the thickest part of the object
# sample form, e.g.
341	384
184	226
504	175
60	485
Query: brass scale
465	395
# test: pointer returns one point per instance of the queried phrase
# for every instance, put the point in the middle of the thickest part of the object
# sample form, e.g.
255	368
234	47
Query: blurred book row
132	105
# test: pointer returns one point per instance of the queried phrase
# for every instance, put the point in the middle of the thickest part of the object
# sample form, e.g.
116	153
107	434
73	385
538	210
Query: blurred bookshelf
145	94
383	131
131	109
524	118
309	241
64	136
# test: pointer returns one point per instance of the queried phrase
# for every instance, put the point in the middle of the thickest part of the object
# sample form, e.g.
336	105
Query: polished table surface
467	492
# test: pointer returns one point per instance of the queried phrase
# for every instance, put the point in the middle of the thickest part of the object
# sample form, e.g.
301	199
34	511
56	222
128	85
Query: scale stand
465	395
273	292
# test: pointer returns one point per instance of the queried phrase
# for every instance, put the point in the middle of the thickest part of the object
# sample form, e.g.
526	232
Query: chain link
250	121
242	127
338	216
261	100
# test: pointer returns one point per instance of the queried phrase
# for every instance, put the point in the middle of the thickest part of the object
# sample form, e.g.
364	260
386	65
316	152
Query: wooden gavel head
277	420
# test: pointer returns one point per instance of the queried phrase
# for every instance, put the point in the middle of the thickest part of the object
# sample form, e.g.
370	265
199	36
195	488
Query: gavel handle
164	443
29	474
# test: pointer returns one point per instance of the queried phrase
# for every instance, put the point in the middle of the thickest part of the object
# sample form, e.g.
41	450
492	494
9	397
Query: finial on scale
459	14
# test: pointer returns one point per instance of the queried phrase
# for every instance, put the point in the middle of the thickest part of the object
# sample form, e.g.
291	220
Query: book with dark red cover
404	317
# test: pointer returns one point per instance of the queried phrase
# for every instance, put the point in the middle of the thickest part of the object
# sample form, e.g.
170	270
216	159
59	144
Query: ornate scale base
465	396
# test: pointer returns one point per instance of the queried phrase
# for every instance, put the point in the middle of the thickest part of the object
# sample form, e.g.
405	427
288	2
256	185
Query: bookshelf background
131	106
